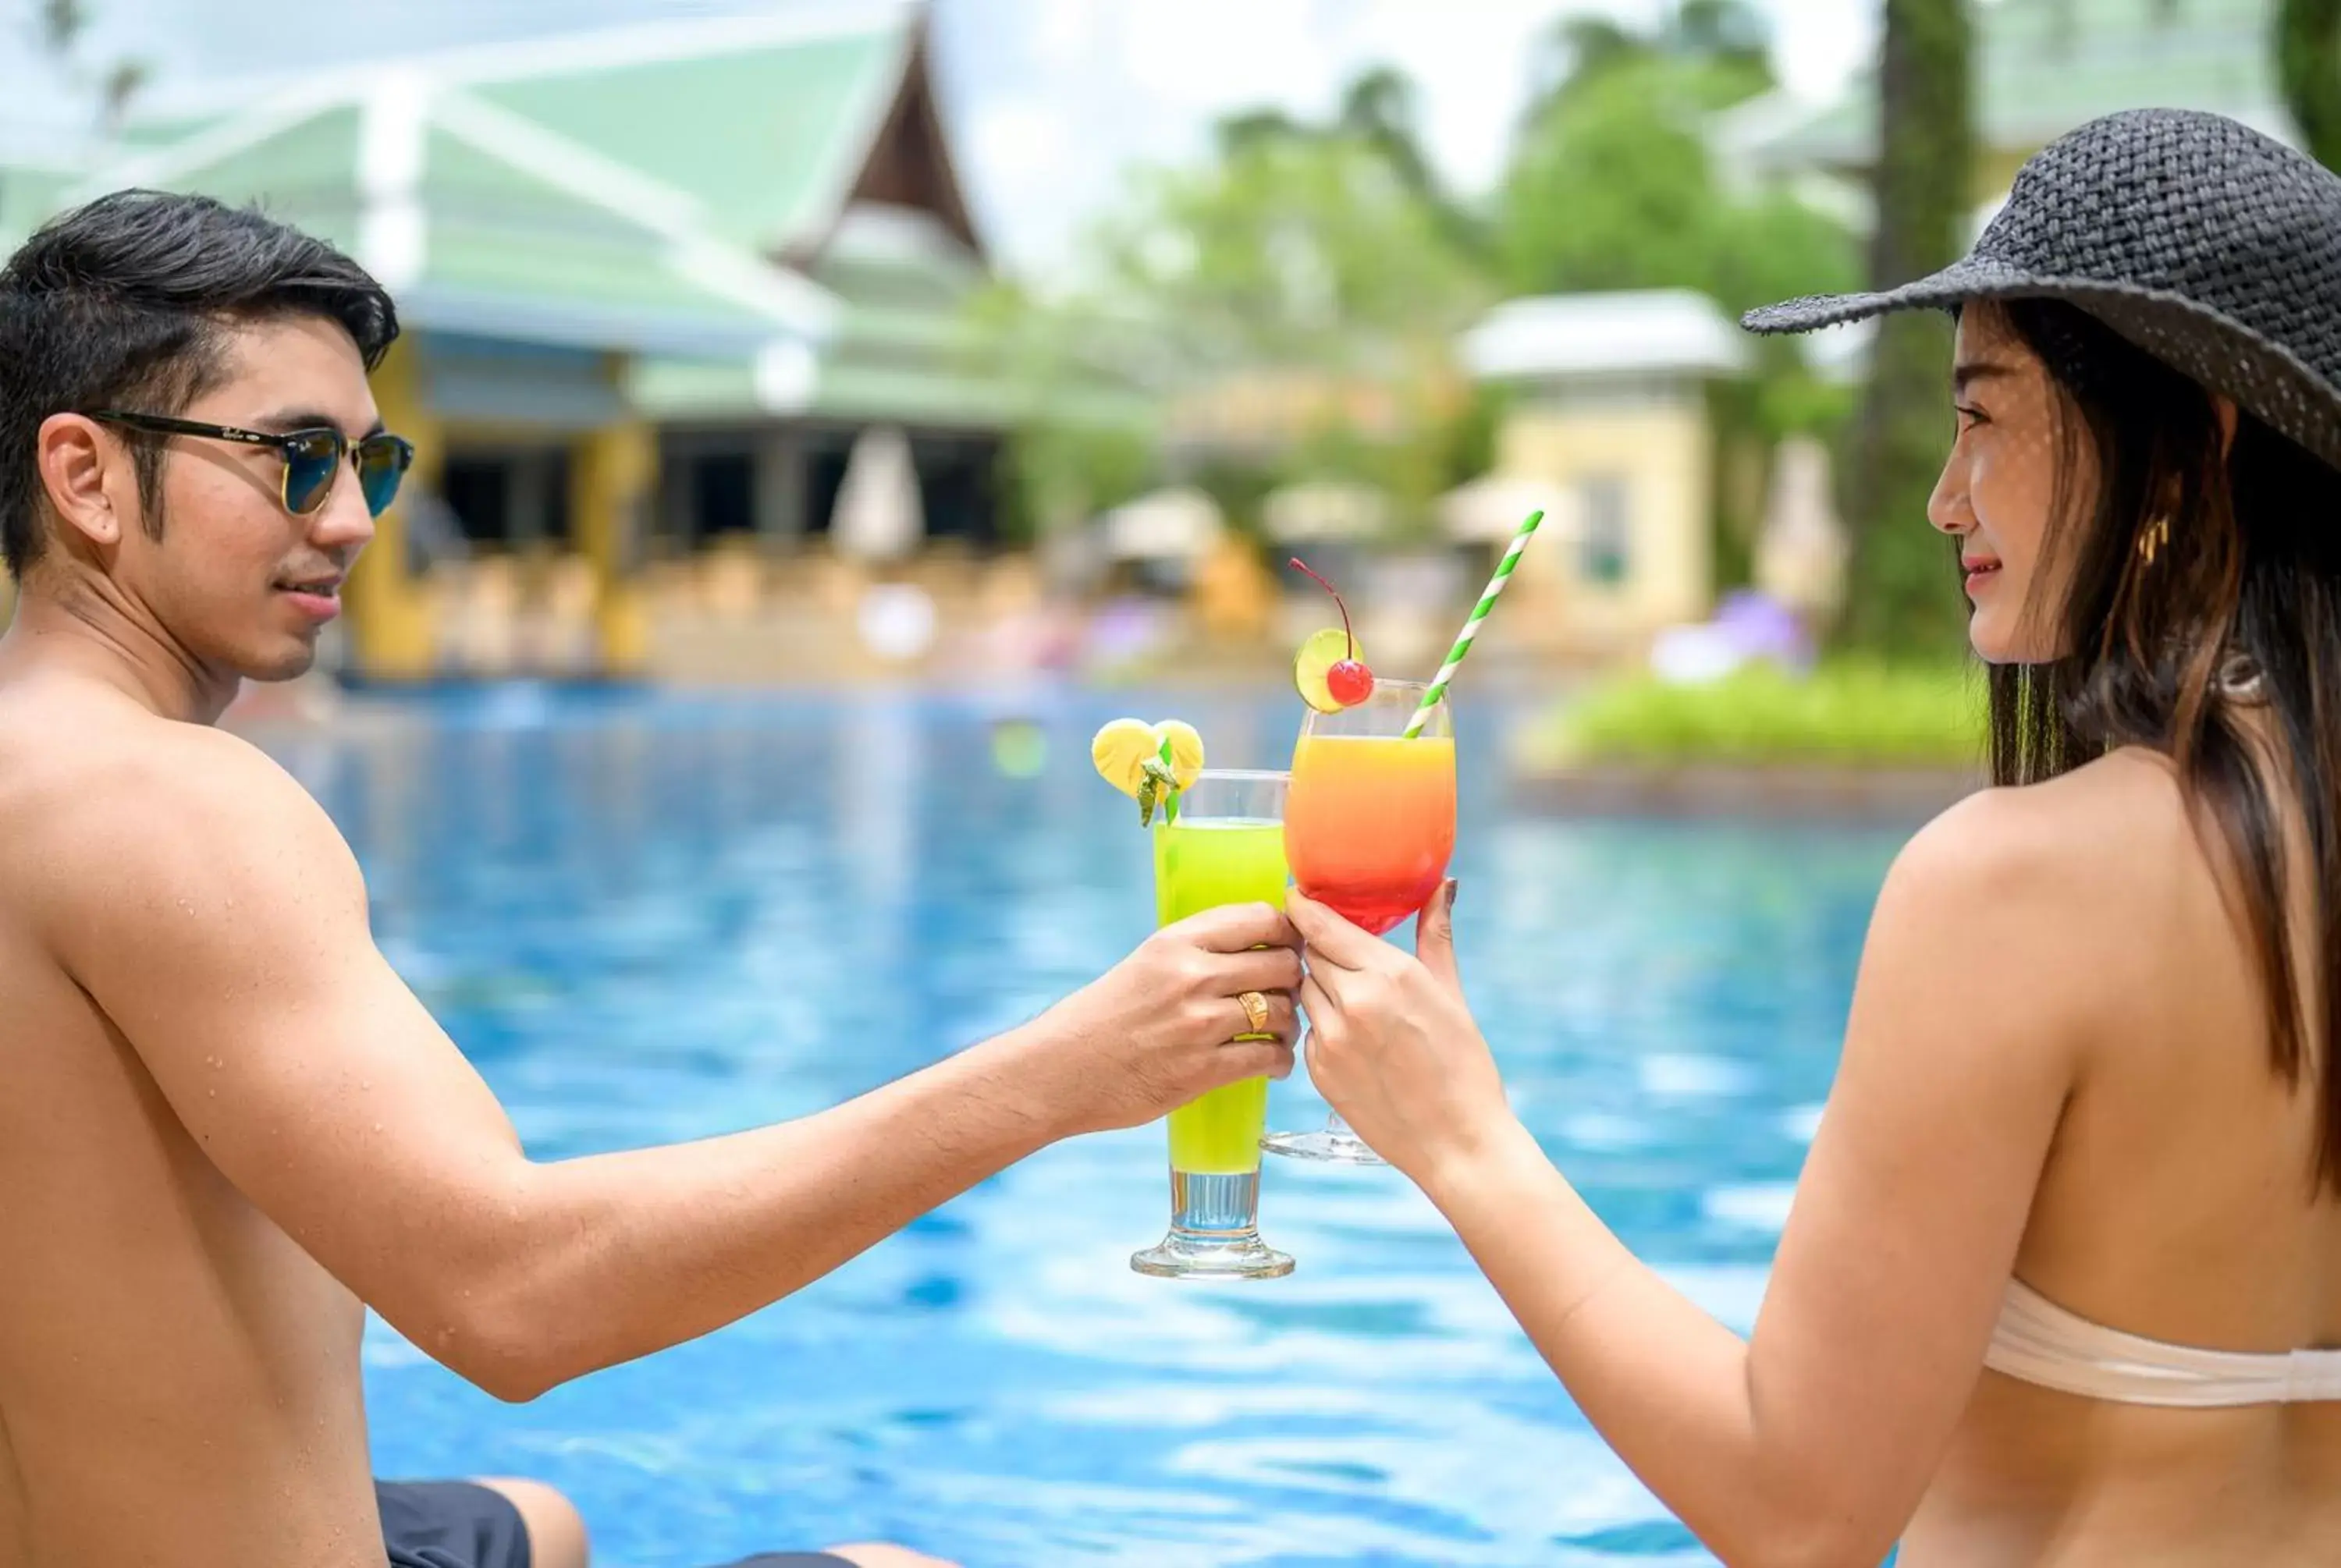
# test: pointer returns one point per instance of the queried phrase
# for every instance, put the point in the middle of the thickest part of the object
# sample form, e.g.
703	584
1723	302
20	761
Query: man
226	1122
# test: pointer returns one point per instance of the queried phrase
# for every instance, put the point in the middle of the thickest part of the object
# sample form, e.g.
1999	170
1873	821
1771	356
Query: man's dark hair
122	303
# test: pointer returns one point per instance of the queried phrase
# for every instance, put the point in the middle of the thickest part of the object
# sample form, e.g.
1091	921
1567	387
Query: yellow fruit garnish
1120	750
1129	755
1186	749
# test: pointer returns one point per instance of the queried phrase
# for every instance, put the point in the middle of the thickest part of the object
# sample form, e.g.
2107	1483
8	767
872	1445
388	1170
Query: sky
1049	101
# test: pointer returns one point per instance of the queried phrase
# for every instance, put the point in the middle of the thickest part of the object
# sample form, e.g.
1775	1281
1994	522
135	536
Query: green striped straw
1430	698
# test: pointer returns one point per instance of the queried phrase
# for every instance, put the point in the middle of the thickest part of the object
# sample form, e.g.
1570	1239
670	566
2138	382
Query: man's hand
1161	1026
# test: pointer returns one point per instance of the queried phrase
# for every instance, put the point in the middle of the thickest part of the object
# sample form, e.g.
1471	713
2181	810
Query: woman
2075	1203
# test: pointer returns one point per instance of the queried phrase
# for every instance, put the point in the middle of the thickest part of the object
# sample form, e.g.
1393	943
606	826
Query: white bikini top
2040	1342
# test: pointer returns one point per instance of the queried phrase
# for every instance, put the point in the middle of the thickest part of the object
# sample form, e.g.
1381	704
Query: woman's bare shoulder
2078	875
2110	820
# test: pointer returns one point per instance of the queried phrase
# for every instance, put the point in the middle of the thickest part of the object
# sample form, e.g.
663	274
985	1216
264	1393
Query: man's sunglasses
312	458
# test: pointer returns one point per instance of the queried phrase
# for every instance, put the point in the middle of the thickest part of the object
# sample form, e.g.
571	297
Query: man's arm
214	912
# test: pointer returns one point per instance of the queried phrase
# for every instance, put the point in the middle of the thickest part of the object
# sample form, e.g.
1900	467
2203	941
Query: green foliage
1439	451
1084	438
2308	64
1052	471
1294	248
1611	185
1379	110
1903	594
1773	247
1902	597
1579	52
1847	713
1327	252
1467	440
1241	489
1329	249
1612	188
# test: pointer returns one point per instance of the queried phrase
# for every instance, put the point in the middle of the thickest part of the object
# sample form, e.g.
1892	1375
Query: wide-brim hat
2209	245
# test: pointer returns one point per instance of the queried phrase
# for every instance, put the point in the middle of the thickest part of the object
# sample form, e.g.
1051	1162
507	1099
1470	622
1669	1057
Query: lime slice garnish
1320	651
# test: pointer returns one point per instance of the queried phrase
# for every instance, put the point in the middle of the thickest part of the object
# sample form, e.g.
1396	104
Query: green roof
2044	66
481	222
761	121
695	190
767	138
855	390
2048	65
30	194
303	174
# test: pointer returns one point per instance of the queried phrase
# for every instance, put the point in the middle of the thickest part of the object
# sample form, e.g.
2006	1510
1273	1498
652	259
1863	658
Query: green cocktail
1201	863
1227	846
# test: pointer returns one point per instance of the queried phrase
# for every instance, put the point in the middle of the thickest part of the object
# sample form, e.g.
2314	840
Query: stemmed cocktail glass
1369	828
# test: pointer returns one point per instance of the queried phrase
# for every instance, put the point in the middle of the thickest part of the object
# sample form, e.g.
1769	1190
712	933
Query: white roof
1649	331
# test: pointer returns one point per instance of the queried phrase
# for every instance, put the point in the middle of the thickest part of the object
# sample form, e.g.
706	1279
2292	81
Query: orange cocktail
1369	826
1370	819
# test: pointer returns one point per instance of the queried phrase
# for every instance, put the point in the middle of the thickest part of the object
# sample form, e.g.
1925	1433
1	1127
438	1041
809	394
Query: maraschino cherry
1348	681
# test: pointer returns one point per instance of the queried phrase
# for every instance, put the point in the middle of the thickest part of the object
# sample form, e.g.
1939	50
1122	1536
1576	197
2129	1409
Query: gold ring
1255	1007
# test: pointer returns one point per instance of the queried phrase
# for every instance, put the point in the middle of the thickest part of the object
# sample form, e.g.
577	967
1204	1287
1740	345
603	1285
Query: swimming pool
659	918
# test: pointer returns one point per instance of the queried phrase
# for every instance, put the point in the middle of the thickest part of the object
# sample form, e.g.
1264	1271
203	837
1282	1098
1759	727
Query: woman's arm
1812	1442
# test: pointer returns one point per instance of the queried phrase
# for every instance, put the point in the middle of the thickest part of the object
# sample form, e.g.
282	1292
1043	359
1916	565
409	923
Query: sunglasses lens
381	464
310	462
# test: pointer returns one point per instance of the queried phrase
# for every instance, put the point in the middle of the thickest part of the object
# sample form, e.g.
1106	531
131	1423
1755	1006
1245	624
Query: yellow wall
1233	594
395	630
613	478
391	623
1663	453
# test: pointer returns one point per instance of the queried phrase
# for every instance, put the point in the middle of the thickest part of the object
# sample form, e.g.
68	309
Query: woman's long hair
2204	580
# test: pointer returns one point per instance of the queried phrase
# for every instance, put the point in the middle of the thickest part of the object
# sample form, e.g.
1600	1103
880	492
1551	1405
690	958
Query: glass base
1214	1233
1334	1145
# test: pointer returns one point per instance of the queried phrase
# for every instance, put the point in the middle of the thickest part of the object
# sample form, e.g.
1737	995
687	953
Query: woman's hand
1391	1043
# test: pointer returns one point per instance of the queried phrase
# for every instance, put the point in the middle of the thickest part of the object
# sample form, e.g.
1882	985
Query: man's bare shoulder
108	806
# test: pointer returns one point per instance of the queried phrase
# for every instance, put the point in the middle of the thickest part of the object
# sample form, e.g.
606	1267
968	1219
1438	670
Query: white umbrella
1325	508
1181	524
1490	509
879	516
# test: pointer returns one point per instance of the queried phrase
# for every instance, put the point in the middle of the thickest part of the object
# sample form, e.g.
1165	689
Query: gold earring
2156	535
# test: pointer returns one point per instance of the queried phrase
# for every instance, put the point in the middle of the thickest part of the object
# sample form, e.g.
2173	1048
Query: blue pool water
657	919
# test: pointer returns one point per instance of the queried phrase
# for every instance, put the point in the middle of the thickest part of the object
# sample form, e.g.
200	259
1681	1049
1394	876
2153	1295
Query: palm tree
1902	594
2308	64
62	25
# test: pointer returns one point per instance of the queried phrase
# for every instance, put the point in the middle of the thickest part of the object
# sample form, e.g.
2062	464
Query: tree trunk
2308	64
1903	595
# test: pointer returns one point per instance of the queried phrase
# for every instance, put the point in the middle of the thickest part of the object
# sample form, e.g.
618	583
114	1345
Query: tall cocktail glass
1227	846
